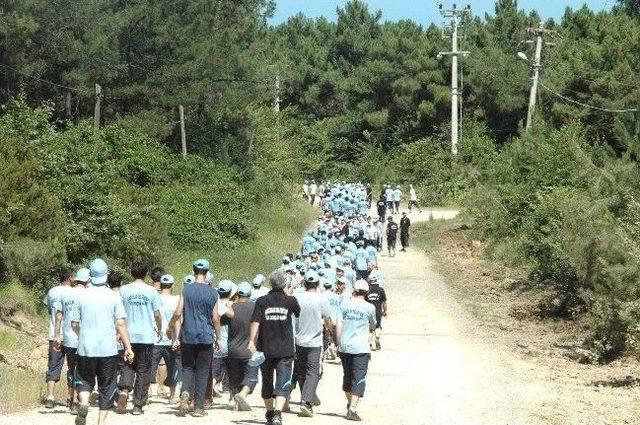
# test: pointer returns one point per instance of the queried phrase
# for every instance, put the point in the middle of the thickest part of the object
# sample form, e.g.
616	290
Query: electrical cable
597	108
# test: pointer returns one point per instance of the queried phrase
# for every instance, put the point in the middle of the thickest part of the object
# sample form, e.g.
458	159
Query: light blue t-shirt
52	300
140	301
361	259
66	305
334	304
372	254
97	311
357	318
397	195
169	305
314	308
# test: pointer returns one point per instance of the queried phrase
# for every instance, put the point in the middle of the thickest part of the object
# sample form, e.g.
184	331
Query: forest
359	99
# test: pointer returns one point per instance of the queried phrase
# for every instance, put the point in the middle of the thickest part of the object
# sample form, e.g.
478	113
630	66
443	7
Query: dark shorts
378	321
70	355
218	368
171	359
354	368
54	363
241	374
102	369
283	369
391	243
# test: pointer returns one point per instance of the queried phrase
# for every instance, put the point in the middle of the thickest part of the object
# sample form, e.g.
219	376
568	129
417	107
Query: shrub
33	262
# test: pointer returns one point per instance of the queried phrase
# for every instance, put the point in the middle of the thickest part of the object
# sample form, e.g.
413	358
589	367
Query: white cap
258	280
361	285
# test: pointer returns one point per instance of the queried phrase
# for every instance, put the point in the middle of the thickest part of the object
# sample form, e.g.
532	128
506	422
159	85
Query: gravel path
435	368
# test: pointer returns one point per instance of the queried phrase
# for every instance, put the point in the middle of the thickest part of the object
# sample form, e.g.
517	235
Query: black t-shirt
376	296
239	330
273	311
382	206
392	230
404	224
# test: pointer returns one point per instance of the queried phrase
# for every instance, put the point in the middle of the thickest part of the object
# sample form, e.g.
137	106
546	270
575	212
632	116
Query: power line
39	79
597	108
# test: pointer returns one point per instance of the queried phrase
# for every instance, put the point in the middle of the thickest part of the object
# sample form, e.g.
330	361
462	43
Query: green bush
33	262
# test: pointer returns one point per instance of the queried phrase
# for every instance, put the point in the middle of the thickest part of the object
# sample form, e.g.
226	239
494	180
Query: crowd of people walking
324	303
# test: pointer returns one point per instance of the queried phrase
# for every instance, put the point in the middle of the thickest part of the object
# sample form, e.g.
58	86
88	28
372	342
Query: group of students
323	303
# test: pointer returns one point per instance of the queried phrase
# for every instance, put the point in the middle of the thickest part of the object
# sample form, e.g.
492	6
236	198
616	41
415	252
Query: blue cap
311	277
224	287
256	359
189	279
83	275
244	289
202	263
208	278
98	271
258	280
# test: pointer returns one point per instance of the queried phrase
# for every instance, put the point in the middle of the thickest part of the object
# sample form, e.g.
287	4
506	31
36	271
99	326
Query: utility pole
276	103
456	16
538	32
183	134
96	110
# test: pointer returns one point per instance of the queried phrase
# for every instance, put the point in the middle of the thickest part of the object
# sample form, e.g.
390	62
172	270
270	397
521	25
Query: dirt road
436	368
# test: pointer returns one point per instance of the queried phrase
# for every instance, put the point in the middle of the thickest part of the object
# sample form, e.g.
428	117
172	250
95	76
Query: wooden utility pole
183	134
537	67
96	110
455	14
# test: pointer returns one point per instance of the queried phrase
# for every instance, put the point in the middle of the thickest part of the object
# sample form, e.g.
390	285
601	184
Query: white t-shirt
412	194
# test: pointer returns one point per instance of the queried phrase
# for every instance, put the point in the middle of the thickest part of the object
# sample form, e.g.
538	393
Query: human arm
253	336
383	298
123	332
173	328
57	340
215	319
158	318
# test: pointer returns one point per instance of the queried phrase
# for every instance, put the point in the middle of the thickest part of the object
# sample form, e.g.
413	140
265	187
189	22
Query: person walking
392	235
144	320
413	198
242	376
315	316
166	348
65	339
218	369
97	319
272	333
405	223
355	321
397	198
378	298
305	190
258	289
55	353
313	191
197	323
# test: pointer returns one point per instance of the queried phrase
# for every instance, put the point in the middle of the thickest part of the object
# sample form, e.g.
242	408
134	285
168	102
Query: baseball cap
373	276
98	271
360	243
209	278
286	259
224	287
189	279
202	263
167	280
83	275
290	269
311	277
244	289
258	280
256	359
361	285
342	280
327	283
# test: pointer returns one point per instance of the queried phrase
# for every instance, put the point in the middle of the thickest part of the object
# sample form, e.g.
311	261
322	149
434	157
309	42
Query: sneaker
50	403
306	410
242	403
173	400
352	415
277	417
121	403
378	345
184	404
199	413
73	409
137	411
316	400
269	417
231	404
83	411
